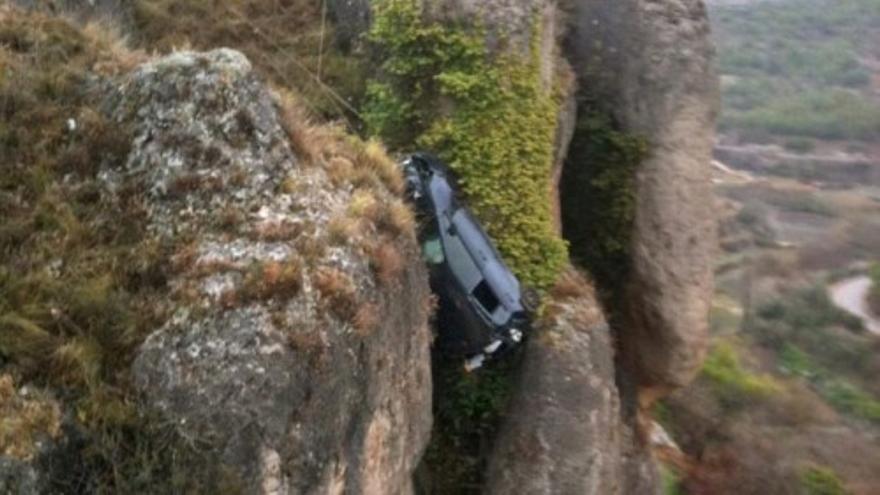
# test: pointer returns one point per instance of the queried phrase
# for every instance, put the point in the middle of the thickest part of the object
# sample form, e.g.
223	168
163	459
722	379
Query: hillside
790	378
210	273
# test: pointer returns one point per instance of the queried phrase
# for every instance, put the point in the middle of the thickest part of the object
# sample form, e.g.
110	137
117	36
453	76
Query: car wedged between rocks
483	309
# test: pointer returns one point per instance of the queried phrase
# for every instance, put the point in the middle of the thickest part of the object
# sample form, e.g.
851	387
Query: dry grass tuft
571	284
398	218
342	228
185	257
387	262
364	205
307	340
264	281
373	156
366	319
24	419
340	170
275	231
338	292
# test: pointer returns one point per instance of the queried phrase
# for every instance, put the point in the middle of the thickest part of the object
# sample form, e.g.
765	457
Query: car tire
530	300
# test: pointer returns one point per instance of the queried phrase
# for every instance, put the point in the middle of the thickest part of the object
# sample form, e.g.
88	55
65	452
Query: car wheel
530	300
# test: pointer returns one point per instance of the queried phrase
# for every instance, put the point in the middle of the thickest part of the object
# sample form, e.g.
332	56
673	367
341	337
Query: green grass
818	480
874	294
671	481
734	385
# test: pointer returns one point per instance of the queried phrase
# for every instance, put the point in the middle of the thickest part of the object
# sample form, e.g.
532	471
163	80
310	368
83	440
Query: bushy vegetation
874	294
818	480
786	199
487	115
844	396
825	114
734	385
797	68
468	409
287	40
808	319
598	196
671	481
81	284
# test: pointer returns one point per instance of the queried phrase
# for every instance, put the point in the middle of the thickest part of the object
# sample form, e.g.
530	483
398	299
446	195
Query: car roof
477	243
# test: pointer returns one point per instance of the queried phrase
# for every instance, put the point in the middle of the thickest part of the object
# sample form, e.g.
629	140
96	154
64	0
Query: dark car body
481	310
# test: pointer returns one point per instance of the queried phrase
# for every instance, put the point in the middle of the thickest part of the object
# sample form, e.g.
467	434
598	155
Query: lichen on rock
254	364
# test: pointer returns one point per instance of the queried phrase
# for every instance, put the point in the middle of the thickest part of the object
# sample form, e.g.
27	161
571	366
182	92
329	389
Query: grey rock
570	429
19	477
287	396
652	64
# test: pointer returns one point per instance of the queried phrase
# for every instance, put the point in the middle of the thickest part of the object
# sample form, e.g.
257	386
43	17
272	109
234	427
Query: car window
460	263
432	250
484	295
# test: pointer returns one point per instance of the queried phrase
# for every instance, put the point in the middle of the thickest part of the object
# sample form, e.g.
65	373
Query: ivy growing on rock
487	115
598	197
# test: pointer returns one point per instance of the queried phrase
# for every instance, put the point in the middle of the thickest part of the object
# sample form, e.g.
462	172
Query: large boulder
570	427
651	64
297	353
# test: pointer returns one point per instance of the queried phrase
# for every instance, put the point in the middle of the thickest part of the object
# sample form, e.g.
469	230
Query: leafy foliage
491	120
827	114
874	294
841	394
798	68
286	41
817	480
598	196
467	413
733	383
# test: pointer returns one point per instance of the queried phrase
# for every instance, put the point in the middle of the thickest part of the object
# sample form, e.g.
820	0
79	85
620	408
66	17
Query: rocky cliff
293	354
262	314
571	428
288	356
650	65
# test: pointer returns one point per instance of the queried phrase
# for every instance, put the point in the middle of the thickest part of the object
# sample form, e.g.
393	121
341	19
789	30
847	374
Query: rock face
651	63
285	357
568	429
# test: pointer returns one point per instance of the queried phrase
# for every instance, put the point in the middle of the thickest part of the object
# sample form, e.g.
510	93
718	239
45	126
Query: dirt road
851	295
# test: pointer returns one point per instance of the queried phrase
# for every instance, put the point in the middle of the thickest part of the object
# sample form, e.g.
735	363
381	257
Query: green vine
488	117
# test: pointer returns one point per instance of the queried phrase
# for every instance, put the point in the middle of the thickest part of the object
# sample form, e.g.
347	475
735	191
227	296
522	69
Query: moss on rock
487	115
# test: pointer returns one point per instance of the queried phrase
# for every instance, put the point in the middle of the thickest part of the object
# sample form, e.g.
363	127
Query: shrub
800	144
598	196
497	134
874	294
732	382
468	409
287	42
826	114
817	480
